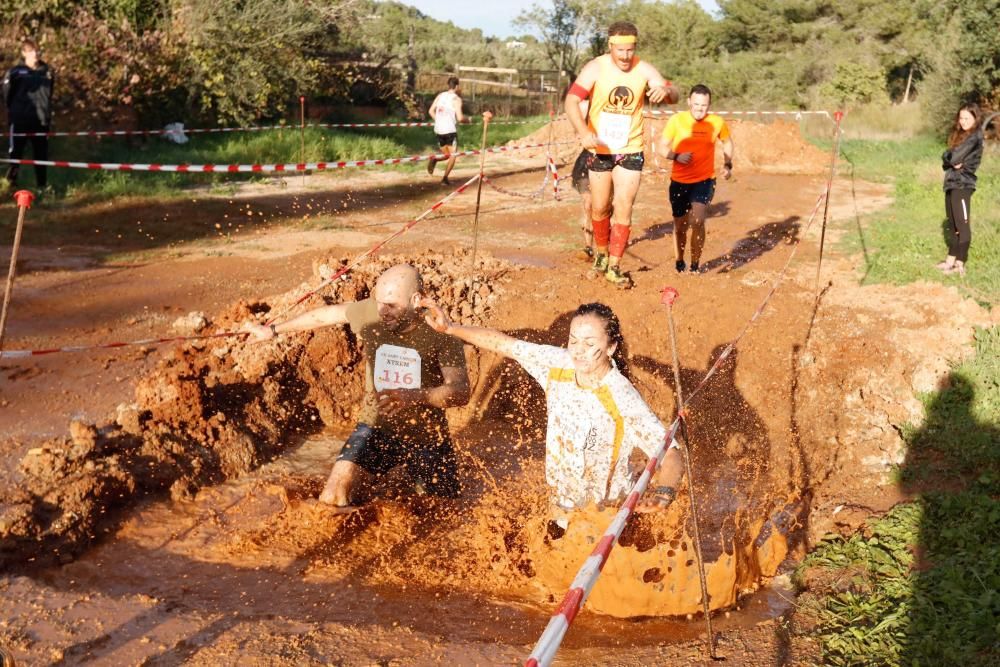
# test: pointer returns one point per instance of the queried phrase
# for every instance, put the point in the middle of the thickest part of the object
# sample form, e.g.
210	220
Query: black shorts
630	161
682	195
581	171
450	139
378	452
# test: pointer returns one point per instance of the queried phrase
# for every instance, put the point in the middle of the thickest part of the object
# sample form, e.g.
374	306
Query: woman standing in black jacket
960	162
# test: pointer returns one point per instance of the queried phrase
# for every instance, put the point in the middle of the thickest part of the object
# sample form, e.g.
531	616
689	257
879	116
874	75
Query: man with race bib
617	84
412	373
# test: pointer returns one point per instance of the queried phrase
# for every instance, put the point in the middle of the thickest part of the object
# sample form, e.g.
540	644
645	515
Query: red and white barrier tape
548	644
555	179
260	168
19	354
797	114
252	128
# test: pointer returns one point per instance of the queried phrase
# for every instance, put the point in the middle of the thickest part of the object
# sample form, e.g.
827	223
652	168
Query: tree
568	29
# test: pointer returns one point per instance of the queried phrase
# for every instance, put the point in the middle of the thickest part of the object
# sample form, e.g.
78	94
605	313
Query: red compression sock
602	232
619	239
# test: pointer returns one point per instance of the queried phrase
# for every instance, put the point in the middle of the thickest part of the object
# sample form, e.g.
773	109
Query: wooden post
909	82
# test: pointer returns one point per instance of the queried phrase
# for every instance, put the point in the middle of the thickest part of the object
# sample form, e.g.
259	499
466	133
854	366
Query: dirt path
806	410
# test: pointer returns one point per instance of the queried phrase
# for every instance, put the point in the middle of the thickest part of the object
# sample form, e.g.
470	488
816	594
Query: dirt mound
775	148
213	410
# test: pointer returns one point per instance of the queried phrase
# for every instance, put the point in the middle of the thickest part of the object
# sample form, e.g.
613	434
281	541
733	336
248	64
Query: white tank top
445	118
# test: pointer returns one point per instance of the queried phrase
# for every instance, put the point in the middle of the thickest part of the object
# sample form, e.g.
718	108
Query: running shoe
445	181
615	276
431	163
586	253
694	268
600	263
680	266
945	265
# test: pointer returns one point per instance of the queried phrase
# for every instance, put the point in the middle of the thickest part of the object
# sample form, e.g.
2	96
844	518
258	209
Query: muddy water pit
219	410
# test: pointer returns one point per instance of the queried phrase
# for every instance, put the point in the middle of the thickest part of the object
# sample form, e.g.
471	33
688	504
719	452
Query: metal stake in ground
479	195
667	297
837	116
23	199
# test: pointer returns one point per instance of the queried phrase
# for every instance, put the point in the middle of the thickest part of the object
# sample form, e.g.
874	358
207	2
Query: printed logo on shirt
620	100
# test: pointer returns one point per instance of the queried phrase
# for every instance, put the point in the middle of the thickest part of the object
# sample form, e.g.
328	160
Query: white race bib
613	129
396	368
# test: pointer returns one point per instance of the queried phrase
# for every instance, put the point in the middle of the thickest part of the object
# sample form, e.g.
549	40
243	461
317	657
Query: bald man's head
397	292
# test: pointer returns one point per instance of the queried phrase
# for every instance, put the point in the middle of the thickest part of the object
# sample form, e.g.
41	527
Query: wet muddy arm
314	319
455	390
487	339
728	150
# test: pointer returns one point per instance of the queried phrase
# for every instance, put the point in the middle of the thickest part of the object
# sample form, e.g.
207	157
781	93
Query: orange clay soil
127	544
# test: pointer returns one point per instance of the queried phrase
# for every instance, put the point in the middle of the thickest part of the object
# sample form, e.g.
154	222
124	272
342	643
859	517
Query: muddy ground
123	542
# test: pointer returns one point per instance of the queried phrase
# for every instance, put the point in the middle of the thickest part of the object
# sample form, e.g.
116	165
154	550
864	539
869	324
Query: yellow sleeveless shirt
616	103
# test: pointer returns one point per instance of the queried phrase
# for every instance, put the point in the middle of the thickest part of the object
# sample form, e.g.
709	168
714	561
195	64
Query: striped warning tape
551	638
251	128
797	114
19	354
264	168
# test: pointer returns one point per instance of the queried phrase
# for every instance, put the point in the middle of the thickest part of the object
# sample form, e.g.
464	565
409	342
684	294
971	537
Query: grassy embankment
921	585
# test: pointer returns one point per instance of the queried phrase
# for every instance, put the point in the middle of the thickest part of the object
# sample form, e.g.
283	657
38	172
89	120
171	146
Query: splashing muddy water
260	547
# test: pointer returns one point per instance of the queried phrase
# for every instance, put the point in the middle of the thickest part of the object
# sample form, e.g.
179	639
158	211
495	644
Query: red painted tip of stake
838	116
531	663
668	295
24	198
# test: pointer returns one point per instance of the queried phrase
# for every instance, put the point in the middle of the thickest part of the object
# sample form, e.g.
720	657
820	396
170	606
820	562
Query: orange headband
621	39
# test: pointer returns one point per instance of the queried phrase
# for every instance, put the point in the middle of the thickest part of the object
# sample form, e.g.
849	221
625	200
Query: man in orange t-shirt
689	140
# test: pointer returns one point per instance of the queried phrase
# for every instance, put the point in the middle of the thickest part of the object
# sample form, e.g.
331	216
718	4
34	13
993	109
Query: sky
493	20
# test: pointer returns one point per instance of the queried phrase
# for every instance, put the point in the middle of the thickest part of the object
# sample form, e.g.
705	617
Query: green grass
284	146
921	585
903	243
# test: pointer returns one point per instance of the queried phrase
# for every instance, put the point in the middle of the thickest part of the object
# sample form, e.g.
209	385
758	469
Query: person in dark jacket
27	92
960	162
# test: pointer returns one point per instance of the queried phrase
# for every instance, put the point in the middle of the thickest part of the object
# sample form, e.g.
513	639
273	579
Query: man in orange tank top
617	84
689	140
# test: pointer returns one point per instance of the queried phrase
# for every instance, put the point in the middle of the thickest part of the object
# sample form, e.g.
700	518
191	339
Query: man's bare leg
587	226
342	482
600	214
450	151
697	217
625	186
680	240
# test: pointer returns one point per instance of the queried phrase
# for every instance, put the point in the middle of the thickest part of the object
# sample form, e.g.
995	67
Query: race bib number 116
396	368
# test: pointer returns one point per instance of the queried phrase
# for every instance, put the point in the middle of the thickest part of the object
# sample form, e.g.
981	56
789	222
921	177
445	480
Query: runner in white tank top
446	110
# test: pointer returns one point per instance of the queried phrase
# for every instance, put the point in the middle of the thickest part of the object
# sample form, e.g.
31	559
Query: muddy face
589	348
396	306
